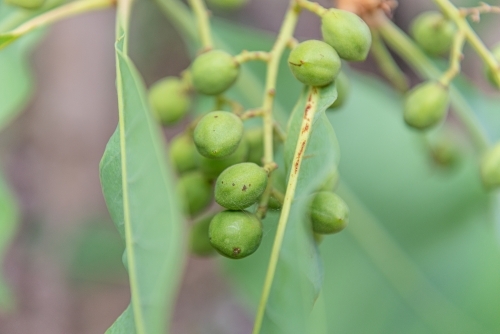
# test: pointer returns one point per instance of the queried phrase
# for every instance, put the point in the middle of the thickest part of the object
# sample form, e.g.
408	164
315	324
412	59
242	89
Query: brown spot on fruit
244	188
236	250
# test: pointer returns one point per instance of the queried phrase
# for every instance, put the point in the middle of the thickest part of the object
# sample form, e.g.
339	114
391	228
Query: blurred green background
64	266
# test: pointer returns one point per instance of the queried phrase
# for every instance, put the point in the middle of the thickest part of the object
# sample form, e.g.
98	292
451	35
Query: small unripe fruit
314	63
218	134
347	33
183	153
235	234
329	213
169	100
26	4
240	186
254	138
196	192
445	152
433	33
199	242
213	72
227	4
490	167
212	168
426	105
342	85
489	72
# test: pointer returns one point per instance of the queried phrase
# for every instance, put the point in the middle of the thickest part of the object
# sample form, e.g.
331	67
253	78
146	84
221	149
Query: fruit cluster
217	157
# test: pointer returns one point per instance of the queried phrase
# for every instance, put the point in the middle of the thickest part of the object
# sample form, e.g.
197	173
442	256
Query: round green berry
342	84
26	4
196	192
433	33
254	138
490	167
314	63
169	100
212	168
347	33
183	153
239	186
235	234
445	152
199	242
227	4
218	134
426	105
213	72
329	213
489	72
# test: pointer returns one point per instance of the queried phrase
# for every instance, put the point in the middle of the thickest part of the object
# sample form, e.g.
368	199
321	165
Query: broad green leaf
153	225
110	170
9	217
298	278
438	223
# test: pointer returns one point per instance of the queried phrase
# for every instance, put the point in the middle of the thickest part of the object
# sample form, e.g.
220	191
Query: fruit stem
57	14
457	16
201	13
286	32
475	12
313	7
456	57
387	64
245	56
251	114
298	156
278	195
413	55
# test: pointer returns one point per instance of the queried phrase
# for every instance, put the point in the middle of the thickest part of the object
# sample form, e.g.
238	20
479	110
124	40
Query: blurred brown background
61	280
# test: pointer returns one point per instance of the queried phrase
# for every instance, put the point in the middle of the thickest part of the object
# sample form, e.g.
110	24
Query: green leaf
298	277
9	217
152	221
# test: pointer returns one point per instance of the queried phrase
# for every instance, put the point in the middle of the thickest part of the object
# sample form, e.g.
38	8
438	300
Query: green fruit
342	84
489	73
433	33
329	213
212	168
314	63
213	72
227	4
254	138
490	167
183	153
347	33
235	234
196	192
218	134
169	100
240	186
273	203
199	242
445	152
426	105
26	4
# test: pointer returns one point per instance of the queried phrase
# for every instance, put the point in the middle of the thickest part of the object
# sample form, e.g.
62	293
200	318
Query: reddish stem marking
297	161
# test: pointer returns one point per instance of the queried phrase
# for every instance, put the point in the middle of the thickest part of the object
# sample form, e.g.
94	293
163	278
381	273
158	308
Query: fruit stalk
455	59
59	13
302	141
387	64
201	14
454	14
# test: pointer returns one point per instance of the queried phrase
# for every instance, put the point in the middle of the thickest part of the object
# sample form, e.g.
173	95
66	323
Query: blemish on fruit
244	188
236	250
